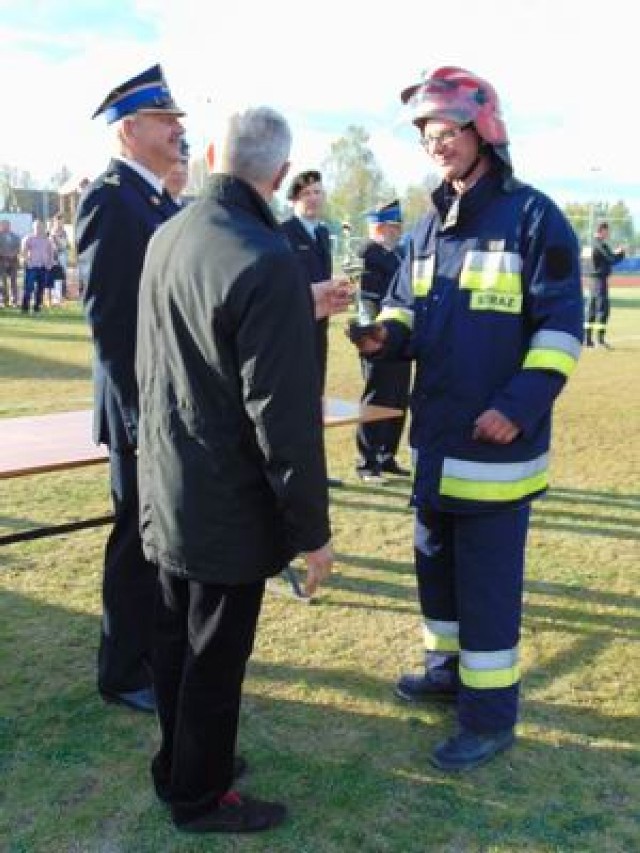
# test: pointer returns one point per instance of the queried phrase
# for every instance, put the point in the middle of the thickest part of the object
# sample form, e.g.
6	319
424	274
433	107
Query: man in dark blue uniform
309	239
117	216
386	382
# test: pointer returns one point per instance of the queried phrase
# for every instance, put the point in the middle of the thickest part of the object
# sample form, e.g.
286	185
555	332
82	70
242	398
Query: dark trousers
322	350
470	571
386	384
35	279
598	306
9	280
128	589
203	638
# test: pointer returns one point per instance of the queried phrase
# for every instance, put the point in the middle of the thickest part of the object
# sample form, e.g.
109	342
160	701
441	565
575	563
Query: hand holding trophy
362	330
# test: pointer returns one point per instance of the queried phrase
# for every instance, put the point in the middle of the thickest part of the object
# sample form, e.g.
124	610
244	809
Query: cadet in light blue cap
386	213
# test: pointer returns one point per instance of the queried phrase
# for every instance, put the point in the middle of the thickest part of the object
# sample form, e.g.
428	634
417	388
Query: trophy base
356	331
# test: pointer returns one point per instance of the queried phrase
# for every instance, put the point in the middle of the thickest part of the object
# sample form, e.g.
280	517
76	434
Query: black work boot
588	338
435	684
466	749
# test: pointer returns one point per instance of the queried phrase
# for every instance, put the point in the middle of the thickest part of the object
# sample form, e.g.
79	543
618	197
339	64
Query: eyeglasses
429	141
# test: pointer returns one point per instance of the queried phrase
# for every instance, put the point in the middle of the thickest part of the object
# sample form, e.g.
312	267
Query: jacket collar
234	192
145	173
457	209
159	199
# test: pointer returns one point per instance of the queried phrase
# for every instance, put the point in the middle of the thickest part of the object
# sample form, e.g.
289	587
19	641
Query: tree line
355	183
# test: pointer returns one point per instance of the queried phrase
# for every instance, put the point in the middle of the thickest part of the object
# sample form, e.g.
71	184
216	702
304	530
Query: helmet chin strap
472	167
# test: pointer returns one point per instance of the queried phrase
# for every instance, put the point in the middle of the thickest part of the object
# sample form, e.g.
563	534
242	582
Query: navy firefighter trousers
470	571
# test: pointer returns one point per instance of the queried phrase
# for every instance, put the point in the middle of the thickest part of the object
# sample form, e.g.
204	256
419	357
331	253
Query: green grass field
320	726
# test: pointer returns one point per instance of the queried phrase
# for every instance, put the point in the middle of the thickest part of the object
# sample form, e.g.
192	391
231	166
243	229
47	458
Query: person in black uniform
232	469
598	306
386	382
116	217
309	239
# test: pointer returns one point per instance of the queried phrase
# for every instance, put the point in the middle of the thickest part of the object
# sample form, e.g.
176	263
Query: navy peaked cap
148	92
390	212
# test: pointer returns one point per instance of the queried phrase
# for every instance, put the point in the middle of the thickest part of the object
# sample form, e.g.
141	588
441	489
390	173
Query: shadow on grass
621	303
15	364
67	337
350	761
546	514
615	500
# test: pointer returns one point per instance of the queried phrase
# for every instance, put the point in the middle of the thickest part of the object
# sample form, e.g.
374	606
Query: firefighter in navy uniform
386	382
117	215
603	258
488	304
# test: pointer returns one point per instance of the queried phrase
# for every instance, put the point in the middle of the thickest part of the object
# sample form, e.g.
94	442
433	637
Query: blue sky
566	72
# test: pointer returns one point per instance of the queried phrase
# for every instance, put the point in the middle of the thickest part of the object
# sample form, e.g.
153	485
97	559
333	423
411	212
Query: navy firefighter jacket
488	303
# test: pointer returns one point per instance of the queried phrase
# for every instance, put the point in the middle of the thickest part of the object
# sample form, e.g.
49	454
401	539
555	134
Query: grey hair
256	145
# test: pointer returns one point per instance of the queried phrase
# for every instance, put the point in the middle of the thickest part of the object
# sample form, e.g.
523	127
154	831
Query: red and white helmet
454	94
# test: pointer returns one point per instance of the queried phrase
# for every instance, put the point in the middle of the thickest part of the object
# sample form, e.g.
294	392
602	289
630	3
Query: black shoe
604	345
370	474
390	466
466	749
138	700
334	483
434	685
161	780
237	813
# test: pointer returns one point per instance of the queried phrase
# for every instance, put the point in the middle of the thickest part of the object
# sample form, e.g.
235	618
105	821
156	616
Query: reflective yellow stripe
489	679
549	359
483	490
441	636
400	315
422	275
497	271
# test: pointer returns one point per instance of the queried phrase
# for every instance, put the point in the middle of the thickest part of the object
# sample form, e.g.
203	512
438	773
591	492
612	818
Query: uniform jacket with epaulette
488	302
117	216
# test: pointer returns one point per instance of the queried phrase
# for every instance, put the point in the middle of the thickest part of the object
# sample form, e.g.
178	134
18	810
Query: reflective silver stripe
441	629
510	262
480	661
420	536
421	540
562	341
493	472
422	275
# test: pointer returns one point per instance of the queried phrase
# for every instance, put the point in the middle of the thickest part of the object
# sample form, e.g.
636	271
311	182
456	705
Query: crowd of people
209	324
43	255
